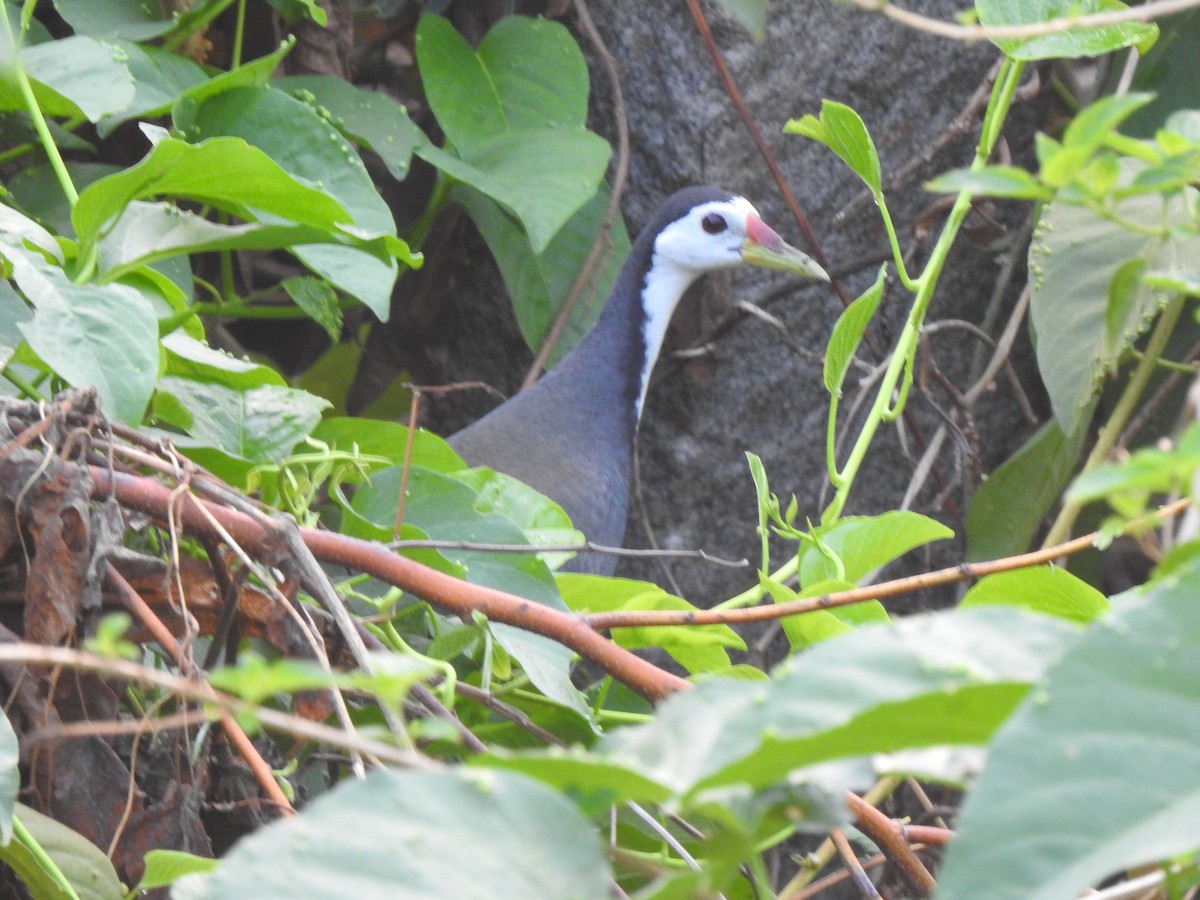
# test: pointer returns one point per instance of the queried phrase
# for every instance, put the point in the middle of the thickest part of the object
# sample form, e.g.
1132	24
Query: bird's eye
713	223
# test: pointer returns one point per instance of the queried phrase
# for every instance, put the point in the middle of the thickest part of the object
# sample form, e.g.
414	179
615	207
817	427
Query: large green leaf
419	836
512	170
224	172
1075	261
72	76
1007	510
370	118
506	110
150	232
1075	42
1100	769
159	77
946	678
528	75
261	424
134	20
539	283
308	147
102	335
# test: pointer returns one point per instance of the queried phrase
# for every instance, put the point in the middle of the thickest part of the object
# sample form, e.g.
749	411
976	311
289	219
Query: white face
710	236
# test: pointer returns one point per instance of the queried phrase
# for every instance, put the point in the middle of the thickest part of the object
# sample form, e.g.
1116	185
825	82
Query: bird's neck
664	284
619	353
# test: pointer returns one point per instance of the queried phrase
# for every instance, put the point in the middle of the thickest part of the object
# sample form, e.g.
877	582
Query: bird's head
727	231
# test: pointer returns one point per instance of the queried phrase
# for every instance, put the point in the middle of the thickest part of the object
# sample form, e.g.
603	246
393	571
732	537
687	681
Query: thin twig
972	33
881	591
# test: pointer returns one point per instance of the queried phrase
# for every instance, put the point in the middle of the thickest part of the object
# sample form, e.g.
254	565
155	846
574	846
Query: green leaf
369	118
256	73
696	648
389	439
309	148
540	283
529	75
1044	589
71	76
102	335
539	846
1075	256
148	233
512	170
848	332
1007	509
83	864
319	300
18	233
298	10
540	519
196	361
463	98
1105	752
165	867
947	678
255	679
1147	470
1097	121
809	628
224	172
992	181
134	20
842	131
260	425
159	77
582	774
1175	282
1070	44
506	110
14	312
451	509
865	543
751	14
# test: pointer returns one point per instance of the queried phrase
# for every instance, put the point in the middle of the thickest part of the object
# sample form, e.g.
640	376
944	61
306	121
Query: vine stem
901	364
1121	414
899	372
39	121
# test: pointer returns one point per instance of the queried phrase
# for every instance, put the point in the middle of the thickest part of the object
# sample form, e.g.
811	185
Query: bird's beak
765	248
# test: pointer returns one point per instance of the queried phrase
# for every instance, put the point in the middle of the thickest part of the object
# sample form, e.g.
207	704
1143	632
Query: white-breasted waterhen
571	435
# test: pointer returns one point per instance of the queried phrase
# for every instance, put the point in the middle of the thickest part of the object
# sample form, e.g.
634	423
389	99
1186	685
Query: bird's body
572	434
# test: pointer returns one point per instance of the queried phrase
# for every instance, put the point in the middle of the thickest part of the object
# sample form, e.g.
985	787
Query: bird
572	434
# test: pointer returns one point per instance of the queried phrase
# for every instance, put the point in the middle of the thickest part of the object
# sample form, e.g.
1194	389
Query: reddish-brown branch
240	740
889	836
458	597
961	572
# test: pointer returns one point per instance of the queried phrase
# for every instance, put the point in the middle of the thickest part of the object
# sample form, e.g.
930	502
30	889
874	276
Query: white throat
665	284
